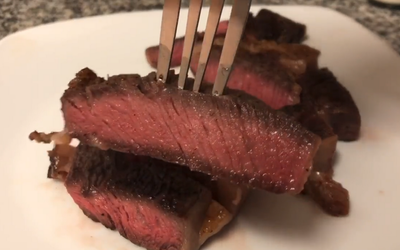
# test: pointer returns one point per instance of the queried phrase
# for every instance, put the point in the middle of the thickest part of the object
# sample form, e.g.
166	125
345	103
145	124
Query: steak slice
334	103
266	25
261	62
255	72
227	198
272	65
266	65
330	195
150	202
264	69
234	136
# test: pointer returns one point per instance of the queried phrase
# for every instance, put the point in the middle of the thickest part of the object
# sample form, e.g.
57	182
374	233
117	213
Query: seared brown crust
334	103
152	203
288	51
328	194
306	114
127	175
268	25
275	152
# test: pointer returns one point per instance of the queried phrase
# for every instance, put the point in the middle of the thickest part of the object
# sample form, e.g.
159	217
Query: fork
170	18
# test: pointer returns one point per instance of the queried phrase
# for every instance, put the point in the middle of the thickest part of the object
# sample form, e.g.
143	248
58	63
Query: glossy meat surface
234	136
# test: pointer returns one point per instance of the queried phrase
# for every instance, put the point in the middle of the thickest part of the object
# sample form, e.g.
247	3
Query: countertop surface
17	15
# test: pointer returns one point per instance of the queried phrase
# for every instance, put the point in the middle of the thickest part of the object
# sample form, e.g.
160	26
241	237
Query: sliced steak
272	65
255	72
266	25
330	195
334	103
234	136
150	202
266	70
261	62
64	158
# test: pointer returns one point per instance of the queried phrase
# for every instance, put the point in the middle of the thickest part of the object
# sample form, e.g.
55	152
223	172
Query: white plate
37	64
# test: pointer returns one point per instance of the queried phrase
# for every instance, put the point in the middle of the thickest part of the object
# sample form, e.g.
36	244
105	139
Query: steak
330	195
333	102
266	25
255	72
65	159
267	65
273	63
154	204
264	69
234	136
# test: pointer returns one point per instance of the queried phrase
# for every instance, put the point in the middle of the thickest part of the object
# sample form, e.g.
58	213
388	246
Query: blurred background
21	14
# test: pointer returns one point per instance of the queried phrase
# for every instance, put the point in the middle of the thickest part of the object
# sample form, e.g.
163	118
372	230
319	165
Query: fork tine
213	19
237	22
169	25
190	37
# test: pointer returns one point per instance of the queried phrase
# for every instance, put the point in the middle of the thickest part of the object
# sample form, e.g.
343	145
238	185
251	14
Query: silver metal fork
237	22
